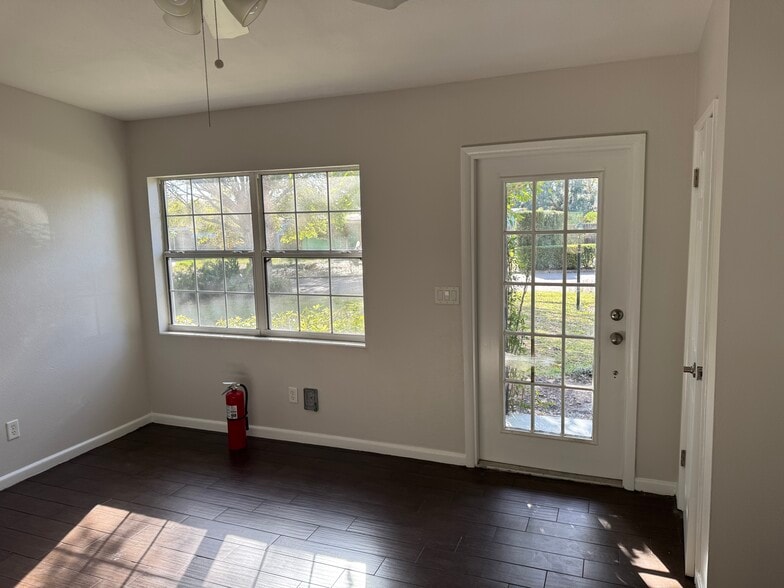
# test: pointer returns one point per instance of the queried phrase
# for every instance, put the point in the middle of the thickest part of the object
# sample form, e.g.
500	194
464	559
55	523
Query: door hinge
696	182
683	458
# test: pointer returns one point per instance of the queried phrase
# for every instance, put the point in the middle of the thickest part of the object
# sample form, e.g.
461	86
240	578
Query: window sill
233	337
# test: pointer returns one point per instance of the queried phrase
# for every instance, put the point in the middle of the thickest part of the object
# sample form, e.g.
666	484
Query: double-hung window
266	253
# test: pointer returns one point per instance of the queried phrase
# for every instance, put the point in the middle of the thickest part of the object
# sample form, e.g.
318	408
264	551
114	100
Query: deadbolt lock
616	314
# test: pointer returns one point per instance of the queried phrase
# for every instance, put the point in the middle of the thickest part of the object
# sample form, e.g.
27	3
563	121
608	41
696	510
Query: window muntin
304	280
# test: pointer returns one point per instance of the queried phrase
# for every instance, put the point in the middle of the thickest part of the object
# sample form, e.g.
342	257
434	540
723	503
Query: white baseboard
395	449
656	486
50	461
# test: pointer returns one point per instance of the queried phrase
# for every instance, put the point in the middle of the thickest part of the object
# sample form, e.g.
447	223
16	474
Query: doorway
555	235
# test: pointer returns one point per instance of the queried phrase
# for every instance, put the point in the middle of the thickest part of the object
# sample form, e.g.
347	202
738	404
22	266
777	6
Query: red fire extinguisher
236	414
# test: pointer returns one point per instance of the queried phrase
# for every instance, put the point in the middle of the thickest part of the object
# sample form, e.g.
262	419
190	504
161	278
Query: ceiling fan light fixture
245	11
190	24
176	7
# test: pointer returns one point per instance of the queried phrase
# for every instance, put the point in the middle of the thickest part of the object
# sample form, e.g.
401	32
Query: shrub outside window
266	253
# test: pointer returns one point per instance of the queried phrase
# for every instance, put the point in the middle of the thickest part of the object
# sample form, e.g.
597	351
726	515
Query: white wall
71	364
406	386
747	512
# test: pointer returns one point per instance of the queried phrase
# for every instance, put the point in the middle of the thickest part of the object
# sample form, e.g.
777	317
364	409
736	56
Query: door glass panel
583	210
519	252
518	406
547	415
578	413
518	309
517	354
548	313
550	305
549	256
581	258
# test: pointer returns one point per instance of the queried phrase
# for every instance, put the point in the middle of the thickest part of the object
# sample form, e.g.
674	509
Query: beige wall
747	512
71	365
407	386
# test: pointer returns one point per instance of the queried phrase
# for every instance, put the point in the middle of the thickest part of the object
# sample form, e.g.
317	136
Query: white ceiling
119	58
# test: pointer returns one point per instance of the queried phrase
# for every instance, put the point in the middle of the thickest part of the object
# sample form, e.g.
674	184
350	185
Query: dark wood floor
165	506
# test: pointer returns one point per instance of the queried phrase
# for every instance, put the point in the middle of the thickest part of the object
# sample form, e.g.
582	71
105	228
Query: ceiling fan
231	17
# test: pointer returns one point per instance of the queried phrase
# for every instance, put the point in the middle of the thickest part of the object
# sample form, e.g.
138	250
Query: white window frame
259	256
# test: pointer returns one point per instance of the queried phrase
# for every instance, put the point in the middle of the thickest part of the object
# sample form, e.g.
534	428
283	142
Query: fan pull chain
206	76
219	61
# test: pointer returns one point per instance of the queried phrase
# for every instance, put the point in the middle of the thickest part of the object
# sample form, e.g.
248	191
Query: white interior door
694	480
558	251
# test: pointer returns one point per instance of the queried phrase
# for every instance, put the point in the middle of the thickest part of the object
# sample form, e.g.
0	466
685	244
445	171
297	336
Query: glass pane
550	205
547	360
313	231
235	194
547	410
206	196
346	228
283	312
344	190
580	311
581	258
519	199
184	311
517	358
242	311
518	308
346	277
518	258
209	232
177	194
548	310
311	191
578	368
239	274
518	406
578	413
583	203
313	276
278	193
281	231
209	275
180	233
182	274
282	276
348	315
212	310
315	316
549	258
239	232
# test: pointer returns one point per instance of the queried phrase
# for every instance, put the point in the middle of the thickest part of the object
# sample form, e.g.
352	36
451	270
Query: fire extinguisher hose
245	389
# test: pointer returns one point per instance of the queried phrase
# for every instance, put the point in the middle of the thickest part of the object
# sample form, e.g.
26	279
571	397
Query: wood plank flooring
165	506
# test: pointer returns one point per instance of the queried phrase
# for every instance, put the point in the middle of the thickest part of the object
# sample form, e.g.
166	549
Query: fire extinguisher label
231	412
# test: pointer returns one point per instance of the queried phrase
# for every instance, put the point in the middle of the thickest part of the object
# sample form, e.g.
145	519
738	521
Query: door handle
616	338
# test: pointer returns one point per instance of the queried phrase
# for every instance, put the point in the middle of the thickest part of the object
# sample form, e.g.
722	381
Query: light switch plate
447	295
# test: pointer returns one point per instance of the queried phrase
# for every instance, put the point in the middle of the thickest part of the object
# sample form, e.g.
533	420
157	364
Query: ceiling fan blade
228	26
175	7
386	4
190	24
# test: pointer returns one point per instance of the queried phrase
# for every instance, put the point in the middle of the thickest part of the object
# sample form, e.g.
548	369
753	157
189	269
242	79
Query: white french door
558	227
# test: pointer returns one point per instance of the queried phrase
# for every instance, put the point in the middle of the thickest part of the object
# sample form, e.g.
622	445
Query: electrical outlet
311	399
12	429
292	394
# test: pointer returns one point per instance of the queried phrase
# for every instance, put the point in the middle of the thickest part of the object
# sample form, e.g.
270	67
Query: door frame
470	156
